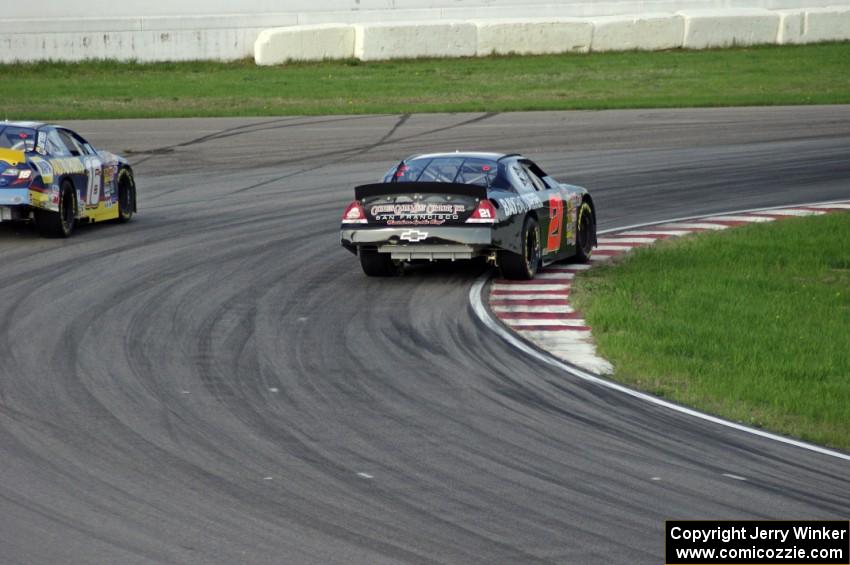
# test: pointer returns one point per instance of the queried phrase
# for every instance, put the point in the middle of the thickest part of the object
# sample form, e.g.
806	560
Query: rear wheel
126	196
377	264
524	265
585	234
61	223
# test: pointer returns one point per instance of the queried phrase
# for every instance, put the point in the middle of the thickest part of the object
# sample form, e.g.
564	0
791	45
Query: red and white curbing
539	310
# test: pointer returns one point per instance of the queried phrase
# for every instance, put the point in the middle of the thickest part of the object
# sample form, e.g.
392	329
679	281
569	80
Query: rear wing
388	188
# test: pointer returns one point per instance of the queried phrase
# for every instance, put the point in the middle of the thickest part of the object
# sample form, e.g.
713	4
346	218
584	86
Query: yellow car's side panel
104	211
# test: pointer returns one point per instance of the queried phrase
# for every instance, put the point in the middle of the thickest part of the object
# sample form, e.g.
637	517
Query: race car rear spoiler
388	188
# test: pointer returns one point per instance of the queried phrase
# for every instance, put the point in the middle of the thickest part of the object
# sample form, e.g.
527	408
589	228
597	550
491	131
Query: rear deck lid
419	203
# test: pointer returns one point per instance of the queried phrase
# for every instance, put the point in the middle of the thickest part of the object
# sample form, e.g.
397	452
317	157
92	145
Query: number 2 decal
556	223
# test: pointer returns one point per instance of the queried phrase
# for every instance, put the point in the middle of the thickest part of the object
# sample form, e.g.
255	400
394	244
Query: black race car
450	206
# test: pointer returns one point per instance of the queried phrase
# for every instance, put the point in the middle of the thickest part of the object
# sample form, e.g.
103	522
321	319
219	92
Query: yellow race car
54	177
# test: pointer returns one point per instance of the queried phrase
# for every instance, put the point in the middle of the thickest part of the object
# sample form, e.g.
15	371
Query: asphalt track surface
217	382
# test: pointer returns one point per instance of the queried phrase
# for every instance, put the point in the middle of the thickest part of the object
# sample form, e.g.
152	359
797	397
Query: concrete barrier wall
375	42
705	29
304	43
117	30
305	12
648	32
813	25
563	35
692	29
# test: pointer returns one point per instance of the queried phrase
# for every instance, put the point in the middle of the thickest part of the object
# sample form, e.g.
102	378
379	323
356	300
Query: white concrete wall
304	43
381	41
350	11
705	29
690	29
645	32
534	36
816	24
150	30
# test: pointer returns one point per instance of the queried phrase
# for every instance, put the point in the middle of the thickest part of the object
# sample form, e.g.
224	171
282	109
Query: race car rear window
462	170
19	139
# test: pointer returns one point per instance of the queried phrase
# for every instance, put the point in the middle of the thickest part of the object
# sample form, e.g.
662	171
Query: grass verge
809	74
752	324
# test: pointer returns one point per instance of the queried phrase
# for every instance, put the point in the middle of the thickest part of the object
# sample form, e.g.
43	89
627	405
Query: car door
553	209
106	163
65	164
92	193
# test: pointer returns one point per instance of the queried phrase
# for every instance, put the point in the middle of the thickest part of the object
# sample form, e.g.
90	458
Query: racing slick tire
61	223
376	264
585	233
523	266
126	196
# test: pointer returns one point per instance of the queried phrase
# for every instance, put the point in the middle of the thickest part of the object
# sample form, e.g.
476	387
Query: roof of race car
30	125
463	154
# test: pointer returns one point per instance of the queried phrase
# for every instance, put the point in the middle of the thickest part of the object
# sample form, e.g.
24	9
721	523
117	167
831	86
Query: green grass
812	74
752	324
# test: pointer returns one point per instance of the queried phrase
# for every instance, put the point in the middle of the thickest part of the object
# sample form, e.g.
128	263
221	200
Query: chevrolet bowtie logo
413	235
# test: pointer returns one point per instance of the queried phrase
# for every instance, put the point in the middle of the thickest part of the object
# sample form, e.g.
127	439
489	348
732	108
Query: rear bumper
15	213
421	242
14	204
14	196
18	203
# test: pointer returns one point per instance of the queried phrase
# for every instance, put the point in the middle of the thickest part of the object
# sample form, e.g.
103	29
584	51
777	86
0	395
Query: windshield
19	139
461	170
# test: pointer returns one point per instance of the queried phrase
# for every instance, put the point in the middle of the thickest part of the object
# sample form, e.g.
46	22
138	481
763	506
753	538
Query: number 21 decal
556	223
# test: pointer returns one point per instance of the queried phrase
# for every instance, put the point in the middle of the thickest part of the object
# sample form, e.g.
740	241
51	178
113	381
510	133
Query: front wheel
585	234
377	264
61	223
523	266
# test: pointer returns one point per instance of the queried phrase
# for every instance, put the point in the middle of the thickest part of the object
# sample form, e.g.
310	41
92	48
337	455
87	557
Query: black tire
523	266
126	196
61	223
585	233
377	264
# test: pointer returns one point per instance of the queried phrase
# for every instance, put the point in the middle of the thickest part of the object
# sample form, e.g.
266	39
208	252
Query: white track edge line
481	311
484	316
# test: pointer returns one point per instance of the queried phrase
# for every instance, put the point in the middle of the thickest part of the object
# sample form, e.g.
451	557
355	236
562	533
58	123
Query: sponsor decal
519	204
68	166
38	199
416	222
44	169
413	213
109	174
572	218
414	235
417	208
